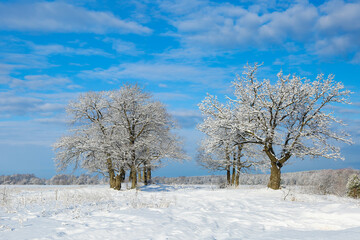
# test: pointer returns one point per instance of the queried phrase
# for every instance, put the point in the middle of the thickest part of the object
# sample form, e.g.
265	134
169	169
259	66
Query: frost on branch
118	131
353	186
287	118
223	147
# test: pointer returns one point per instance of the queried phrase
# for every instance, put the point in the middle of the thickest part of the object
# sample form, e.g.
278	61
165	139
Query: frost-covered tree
116	131
223	146
289	118
353	186
146	129
90	144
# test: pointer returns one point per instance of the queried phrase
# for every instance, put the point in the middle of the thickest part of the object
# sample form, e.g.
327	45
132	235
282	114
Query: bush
353	186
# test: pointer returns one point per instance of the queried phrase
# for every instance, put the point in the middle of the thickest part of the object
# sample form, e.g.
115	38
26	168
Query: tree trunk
122	174
145	176
119	179
233	172
133	177
233	175
130	175
238	164
228	178
148	172
275	176
140	177
112	179
111	173
117	182
237	180
227	157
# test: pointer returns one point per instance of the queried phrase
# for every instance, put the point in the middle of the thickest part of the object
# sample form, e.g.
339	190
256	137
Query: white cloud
5	70
165	96
30	132
335	46
162	85
41	82
64	50
63	17
163	72
339	30
187	118
293	60
13	61
15	105
59	120
338	17
123	47
181	7
228	26
186	113
190	55
328	30
25	60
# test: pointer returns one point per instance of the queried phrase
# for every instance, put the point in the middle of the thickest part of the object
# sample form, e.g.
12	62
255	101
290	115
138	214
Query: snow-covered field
173	212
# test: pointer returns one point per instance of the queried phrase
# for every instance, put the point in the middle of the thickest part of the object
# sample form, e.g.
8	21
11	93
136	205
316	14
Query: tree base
275	177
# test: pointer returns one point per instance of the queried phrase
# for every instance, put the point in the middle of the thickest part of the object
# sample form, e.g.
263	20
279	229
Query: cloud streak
22	105
158	72
64	18
41	82
64	50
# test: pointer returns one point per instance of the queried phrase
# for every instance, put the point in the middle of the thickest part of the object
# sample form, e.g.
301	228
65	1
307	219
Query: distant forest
317	181
60	179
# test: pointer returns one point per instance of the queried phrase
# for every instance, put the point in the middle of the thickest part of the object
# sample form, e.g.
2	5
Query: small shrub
353	186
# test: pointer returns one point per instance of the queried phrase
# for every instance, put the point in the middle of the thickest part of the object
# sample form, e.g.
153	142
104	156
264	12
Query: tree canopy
287	118
116	131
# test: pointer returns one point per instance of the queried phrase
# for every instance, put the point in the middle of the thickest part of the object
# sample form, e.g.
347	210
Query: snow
174	212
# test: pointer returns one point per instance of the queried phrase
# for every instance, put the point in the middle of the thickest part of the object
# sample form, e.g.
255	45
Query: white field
173	212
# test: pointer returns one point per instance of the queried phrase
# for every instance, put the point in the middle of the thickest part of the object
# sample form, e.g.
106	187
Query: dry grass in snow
174	212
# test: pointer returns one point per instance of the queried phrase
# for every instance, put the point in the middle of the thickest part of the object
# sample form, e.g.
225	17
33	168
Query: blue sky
50	51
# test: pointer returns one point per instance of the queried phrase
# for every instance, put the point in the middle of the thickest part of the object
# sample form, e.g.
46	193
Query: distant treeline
60	179
317	181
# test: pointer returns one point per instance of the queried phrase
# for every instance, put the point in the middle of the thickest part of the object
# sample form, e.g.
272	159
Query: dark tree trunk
130	175
140	177
148	173
233	175
117	182
111	173
122	174
228	175
227	157
237	180
145	176
238	165
276	165
133	177
275	176
119	179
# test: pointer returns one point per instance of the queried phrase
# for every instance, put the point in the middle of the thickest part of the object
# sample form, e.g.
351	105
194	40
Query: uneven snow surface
173	212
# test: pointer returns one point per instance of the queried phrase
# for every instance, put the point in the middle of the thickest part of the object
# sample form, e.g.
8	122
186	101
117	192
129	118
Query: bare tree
223	147
146	128
89	145
289	118
117	131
